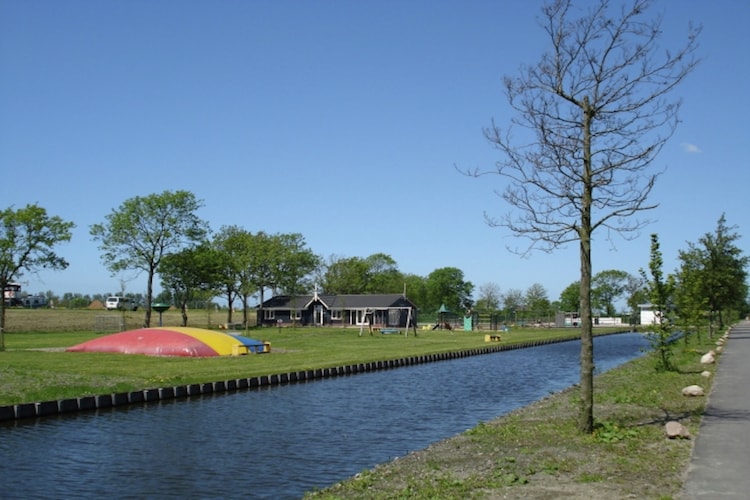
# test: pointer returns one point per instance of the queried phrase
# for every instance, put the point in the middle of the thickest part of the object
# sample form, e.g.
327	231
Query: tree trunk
183	310
244	309
259	317
149	297
230	304
586	417
2	322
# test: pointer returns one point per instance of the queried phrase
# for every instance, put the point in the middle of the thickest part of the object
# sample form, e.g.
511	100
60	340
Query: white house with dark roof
377	310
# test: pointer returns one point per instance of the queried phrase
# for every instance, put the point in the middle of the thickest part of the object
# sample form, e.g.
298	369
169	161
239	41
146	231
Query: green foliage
514	303
139	233
570	297
606	287
536	302
191	274
28	237
612	432
447	286
660	291
713	276
377	273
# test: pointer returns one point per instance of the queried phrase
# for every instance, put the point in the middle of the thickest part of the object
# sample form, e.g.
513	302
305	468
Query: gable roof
347	301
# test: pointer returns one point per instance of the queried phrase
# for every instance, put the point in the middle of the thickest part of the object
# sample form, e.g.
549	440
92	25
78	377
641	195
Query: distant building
380	310
649	315
573	319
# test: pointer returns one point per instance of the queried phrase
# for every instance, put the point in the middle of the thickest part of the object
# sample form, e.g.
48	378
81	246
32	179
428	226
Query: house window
269	314
336	314
295	314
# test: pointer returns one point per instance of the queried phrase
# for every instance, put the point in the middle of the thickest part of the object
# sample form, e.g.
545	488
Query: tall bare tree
596	109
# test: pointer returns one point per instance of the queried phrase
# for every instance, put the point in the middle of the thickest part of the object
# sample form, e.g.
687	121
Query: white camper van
116	302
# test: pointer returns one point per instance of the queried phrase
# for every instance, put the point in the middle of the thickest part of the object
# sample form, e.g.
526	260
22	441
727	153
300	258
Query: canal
278	442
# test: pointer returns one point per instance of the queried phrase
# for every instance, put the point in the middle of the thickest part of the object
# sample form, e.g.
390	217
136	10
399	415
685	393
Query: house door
318	314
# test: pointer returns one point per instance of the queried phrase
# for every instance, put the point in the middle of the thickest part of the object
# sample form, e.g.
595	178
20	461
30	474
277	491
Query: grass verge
537	452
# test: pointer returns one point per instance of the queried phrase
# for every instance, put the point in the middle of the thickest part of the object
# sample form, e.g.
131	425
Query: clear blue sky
340	120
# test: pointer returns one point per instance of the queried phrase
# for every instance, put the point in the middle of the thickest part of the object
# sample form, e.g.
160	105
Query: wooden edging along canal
106	401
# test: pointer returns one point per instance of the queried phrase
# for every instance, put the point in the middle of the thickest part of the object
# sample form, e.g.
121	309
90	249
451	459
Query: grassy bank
35	368
538	453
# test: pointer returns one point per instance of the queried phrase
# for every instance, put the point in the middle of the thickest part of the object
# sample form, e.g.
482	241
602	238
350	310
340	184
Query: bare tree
597	113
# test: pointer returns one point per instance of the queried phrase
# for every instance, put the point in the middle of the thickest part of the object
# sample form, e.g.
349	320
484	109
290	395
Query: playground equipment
386	330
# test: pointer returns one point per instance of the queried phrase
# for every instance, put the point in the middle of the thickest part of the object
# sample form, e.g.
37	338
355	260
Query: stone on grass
692	390
706	374
708	358
675	429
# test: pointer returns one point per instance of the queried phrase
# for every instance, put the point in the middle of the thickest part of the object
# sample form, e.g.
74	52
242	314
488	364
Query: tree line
160	236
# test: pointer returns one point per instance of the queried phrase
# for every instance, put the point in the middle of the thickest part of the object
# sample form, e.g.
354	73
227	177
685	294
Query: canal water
279	442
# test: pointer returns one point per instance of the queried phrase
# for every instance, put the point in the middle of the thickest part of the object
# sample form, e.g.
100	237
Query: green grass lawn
34	367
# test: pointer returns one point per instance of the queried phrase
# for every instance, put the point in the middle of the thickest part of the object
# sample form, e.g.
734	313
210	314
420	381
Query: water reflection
282	441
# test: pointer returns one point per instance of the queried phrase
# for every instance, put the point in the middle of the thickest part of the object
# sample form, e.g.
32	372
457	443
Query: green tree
144	229
265	254
416	290
28	237
660	290
191	273
513	303
636	295
690	299
235	245
383	274
570	297
447	286
724	270
537	302
296	265
607	287
377	273
597	113
345	275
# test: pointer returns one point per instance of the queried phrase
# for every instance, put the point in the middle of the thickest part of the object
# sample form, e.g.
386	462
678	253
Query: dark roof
374	301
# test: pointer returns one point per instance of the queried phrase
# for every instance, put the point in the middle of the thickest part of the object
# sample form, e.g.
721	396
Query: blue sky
339	120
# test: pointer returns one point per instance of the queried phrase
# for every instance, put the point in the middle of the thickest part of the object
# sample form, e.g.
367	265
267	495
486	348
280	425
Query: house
378	310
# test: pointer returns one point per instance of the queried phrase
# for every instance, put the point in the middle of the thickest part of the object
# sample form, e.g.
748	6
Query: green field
36	368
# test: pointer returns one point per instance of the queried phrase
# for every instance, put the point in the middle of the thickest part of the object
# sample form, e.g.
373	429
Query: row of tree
161	235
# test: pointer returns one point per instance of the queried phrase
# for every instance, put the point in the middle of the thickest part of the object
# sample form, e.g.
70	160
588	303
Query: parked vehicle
123	303
34	301
12	295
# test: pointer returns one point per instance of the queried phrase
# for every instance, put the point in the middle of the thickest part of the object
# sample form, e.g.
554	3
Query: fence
110	323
